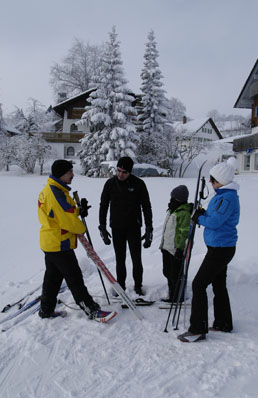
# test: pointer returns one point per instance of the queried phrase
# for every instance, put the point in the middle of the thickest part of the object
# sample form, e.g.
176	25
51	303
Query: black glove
84	208
148	237
179	255
105	235
198	212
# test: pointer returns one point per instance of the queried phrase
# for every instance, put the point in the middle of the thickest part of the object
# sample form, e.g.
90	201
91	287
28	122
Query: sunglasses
122	171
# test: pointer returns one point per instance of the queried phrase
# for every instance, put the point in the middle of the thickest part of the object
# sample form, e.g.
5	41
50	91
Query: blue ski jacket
221	217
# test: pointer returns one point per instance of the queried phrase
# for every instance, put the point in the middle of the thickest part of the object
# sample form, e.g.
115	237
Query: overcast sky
207	48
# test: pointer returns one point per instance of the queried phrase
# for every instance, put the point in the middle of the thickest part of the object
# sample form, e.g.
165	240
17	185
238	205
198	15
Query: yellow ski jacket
58	216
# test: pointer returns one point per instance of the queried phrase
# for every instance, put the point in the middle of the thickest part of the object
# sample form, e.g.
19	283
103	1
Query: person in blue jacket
220	236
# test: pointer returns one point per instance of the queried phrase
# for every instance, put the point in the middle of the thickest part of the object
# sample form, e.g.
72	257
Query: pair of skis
182	280
34	305
102	269
21	302
24	312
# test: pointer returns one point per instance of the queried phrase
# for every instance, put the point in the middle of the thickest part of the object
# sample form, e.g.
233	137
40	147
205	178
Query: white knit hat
223	172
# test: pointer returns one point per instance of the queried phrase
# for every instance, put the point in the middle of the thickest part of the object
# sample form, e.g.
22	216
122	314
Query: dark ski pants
172	270
59	266
212	270
132	235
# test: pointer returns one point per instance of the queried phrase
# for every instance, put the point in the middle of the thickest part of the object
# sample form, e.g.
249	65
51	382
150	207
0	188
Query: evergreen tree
109	115
153	116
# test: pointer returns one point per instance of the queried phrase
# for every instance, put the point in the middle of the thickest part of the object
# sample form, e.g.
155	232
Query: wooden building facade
246	147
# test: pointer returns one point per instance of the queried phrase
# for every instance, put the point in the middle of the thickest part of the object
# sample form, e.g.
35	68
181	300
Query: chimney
184	119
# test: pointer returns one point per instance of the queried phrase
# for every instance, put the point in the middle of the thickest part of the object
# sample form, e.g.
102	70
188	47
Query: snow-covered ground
75	357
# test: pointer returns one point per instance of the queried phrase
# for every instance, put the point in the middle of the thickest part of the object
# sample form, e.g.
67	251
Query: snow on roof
12	130
74	97
231	138
191	126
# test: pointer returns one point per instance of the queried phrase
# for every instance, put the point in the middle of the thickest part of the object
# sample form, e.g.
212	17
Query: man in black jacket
128	197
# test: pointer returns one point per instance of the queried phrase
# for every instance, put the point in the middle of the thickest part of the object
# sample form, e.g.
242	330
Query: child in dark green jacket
173	241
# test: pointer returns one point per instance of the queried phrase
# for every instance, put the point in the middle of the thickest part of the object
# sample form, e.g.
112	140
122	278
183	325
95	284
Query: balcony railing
63	137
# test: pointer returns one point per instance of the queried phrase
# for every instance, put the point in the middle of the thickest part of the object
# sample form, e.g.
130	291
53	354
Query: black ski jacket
127	200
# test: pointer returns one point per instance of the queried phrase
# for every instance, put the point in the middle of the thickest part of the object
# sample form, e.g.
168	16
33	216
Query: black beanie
125	163
60	167
180	193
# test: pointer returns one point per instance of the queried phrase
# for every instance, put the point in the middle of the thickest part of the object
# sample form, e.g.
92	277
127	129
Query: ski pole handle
76	198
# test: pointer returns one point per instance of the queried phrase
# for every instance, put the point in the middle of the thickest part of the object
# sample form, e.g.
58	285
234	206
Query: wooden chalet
65	140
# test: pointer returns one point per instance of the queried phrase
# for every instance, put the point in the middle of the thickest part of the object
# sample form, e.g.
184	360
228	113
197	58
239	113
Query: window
70	151
256	161
247	162
206	130
73	128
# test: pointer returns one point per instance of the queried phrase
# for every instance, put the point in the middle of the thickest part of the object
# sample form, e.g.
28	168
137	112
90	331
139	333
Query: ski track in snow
77	358
74	357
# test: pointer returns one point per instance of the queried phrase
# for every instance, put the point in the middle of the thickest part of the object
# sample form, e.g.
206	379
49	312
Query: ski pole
78	202
187	255
183	282
177	287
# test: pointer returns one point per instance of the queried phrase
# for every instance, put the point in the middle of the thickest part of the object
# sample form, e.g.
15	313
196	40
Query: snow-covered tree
175	112
28	148
153	115
6	151
75	73
176	109
2	122
169	153
109	115
35	118
26	154
187	149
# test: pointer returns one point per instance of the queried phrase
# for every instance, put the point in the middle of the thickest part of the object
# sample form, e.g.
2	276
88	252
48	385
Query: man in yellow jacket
60	224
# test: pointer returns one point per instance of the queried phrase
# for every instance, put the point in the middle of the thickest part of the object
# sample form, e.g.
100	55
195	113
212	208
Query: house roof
230	140
193	126
62	106
249	91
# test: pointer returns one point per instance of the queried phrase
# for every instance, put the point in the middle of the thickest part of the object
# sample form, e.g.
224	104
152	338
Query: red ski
115	285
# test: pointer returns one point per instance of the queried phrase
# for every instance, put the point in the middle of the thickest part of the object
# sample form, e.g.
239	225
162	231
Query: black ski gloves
198	212
105	235
179	255
84	208
148	237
